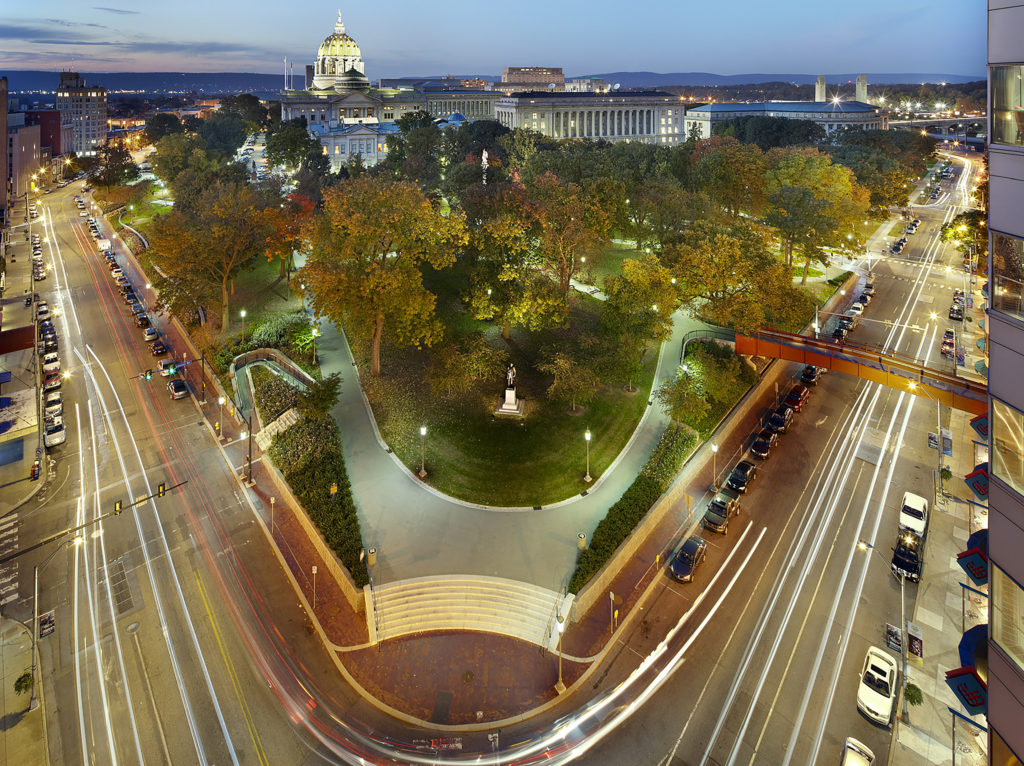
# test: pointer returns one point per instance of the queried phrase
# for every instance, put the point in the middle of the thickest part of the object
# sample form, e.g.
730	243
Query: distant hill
166	83
211	83
659	80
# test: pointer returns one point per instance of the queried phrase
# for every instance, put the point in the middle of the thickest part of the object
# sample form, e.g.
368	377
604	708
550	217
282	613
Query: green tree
638	310
223	133
176	152
248	108
162	124
116	167
199	252
711	377
574	382
290	144
768	132
366	248
23	684
731	174
570	225
320	396
456	368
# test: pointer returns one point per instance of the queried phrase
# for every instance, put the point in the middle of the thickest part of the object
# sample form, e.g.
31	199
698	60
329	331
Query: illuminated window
1006	611
1008	273
1008	445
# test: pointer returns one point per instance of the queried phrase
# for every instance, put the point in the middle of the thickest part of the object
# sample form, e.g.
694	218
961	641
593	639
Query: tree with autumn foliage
570	224
199	252
285	224
366	250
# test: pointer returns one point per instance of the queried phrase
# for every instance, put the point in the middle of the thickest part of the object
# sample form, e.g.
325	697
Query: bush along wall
661	468
309	455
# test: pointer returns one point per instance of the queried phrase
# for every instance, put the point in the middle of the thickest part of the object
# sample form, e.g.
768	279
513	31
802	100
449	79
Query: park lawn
606	262
476	457
798	272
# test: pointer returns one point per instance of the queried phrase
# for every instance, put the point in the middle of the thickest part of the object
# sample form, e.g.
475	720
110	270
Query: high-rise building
1005	676
4	165
24	154
85	109
54	132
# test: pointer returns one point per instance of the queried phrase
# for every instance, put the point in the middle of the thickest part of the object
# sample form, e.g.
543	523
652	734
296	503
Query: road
770	677
177	632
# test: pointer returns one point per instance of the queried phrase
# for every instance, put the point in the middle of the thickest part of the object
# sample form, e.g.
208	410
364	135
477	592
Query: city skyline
874	37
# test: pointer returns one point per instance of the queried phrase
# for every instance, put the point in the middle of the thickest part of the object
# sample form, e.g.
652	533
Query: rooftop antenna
286	73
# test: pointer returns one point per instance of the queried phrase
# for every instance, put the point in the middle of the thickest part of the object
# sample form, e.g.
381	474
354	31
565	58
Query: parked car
149	334
876	693
42	311
167	367
129	297
723	506
780	419
142	321
908	557
857	308
811	375
689	556
177	388
956	313
764	443
51	362
914	514
116	272
839	333
54	433
138	309
51	381
742	476
159	348
53	405
797	397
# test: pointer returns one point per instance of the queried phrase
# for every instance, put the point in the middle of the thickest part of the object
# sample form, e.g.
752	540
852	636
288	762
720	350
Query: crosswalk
9	526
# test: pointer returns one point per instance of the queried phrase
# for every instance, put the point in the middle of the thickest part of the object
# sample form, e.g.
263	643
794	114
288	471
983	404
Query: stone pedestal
511	405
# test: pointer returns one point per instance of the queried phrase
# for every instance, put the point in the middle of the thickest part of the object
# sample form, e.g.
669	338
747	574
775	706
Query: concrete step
467	603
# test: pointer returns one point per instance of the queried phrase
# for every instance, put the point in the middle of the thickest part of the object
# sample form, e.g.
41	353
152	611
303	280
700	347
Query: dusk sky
407	37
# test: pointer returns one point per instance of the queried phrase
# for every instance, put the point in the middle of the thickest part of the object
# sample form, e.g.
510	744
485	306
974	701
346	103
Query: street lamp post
314	587
866	546
423	451
315	331
586	437
34	702
248	460
560	624
220	418
912	385
714	466
243	325
131	213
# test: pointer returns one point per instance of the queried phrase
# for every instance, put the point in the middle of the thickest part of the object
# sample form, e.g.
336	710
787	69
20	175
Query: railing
707	333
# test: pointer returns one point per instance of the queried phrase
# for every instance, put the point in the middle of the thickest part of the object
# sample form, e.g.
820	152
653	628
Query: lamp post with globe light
423	451
586	437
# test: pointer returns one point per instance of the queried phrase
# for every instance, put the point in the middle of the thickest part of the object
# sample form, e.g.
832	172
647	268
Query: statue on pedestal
510	376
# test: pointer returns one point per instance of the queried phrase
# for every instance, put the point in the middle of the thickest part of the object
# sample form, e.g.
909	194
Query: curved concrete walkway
418	533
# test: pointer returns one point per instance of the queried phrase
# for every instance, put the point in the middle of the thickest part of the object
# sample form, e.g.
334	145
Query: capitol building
350	117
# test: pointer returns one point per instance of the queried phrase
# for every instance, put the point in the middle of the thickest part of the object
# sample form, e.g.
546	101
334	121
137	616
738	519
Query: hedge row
273	395
661	468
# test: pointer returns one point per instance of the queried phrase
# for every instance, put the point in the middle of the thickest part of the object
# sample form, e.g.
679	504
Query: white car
82	213
914	513
115	273
42	312
150	335
876	692
856	753
53	405
54	432
857	308
51	362
167	367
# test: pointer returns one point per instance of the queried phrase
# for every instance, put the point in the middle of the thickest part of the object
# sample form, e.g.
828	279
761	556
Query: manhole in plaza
468	677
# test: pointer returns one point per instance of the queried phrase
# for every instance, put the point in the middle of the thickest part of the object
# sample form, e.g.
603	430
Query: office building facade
84	108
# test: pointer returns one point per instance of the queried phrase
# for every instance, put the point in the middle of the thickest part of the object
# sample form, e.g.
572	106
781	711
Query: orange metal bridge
870	363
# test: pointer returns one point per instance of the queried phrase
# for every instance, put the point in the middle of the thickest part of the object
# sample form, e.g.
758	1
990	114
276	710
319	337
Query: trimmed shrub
310	457
661	468
273	395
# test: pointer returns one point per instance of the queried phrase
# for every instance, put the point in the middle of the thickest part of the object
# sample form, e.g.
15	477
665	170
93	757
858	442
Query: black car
723	506
742	476
159	349
50	345
839	333
142	321
780	419
956	312
689	556
908	556
763	444
811	375
130	297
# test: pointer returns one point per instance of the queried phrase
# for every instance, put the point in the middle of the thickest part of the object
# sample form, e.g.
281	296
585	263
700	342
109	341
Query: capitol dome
338	55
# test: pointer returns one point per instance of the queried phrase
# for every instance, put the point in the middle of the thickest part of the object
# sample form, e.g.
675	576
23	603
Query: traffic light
117	506
170	369
160	490
149	374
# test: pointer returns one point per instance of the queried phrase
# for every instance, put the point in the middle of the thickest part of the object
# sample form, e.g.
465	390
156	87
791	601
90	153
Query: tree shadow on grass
11	720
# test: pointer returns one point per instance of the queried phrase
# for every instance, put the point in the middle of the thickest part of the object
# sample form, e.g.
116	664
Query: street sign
933	440
893	638
915	641
47	624
947	442
334	488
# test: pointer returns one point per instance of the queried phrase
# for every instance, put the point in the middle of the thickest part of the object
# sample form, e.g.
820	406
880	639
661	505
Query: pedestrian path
22	732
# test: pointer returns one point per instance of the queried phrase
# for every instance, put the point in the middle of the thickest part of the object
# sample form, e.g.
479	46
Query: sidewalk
22	441
942	611
22	734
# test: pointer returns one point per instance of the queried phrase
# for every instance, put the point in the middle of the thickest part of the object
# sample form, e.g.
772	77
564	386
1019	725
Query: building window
1008	445
1008	105
1001	752
1006	611
1008	274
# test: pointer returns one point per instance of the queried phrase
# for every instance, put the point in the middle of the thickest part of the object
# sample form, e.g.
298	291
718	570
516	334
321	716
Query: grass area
798	272
607	262
472	455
